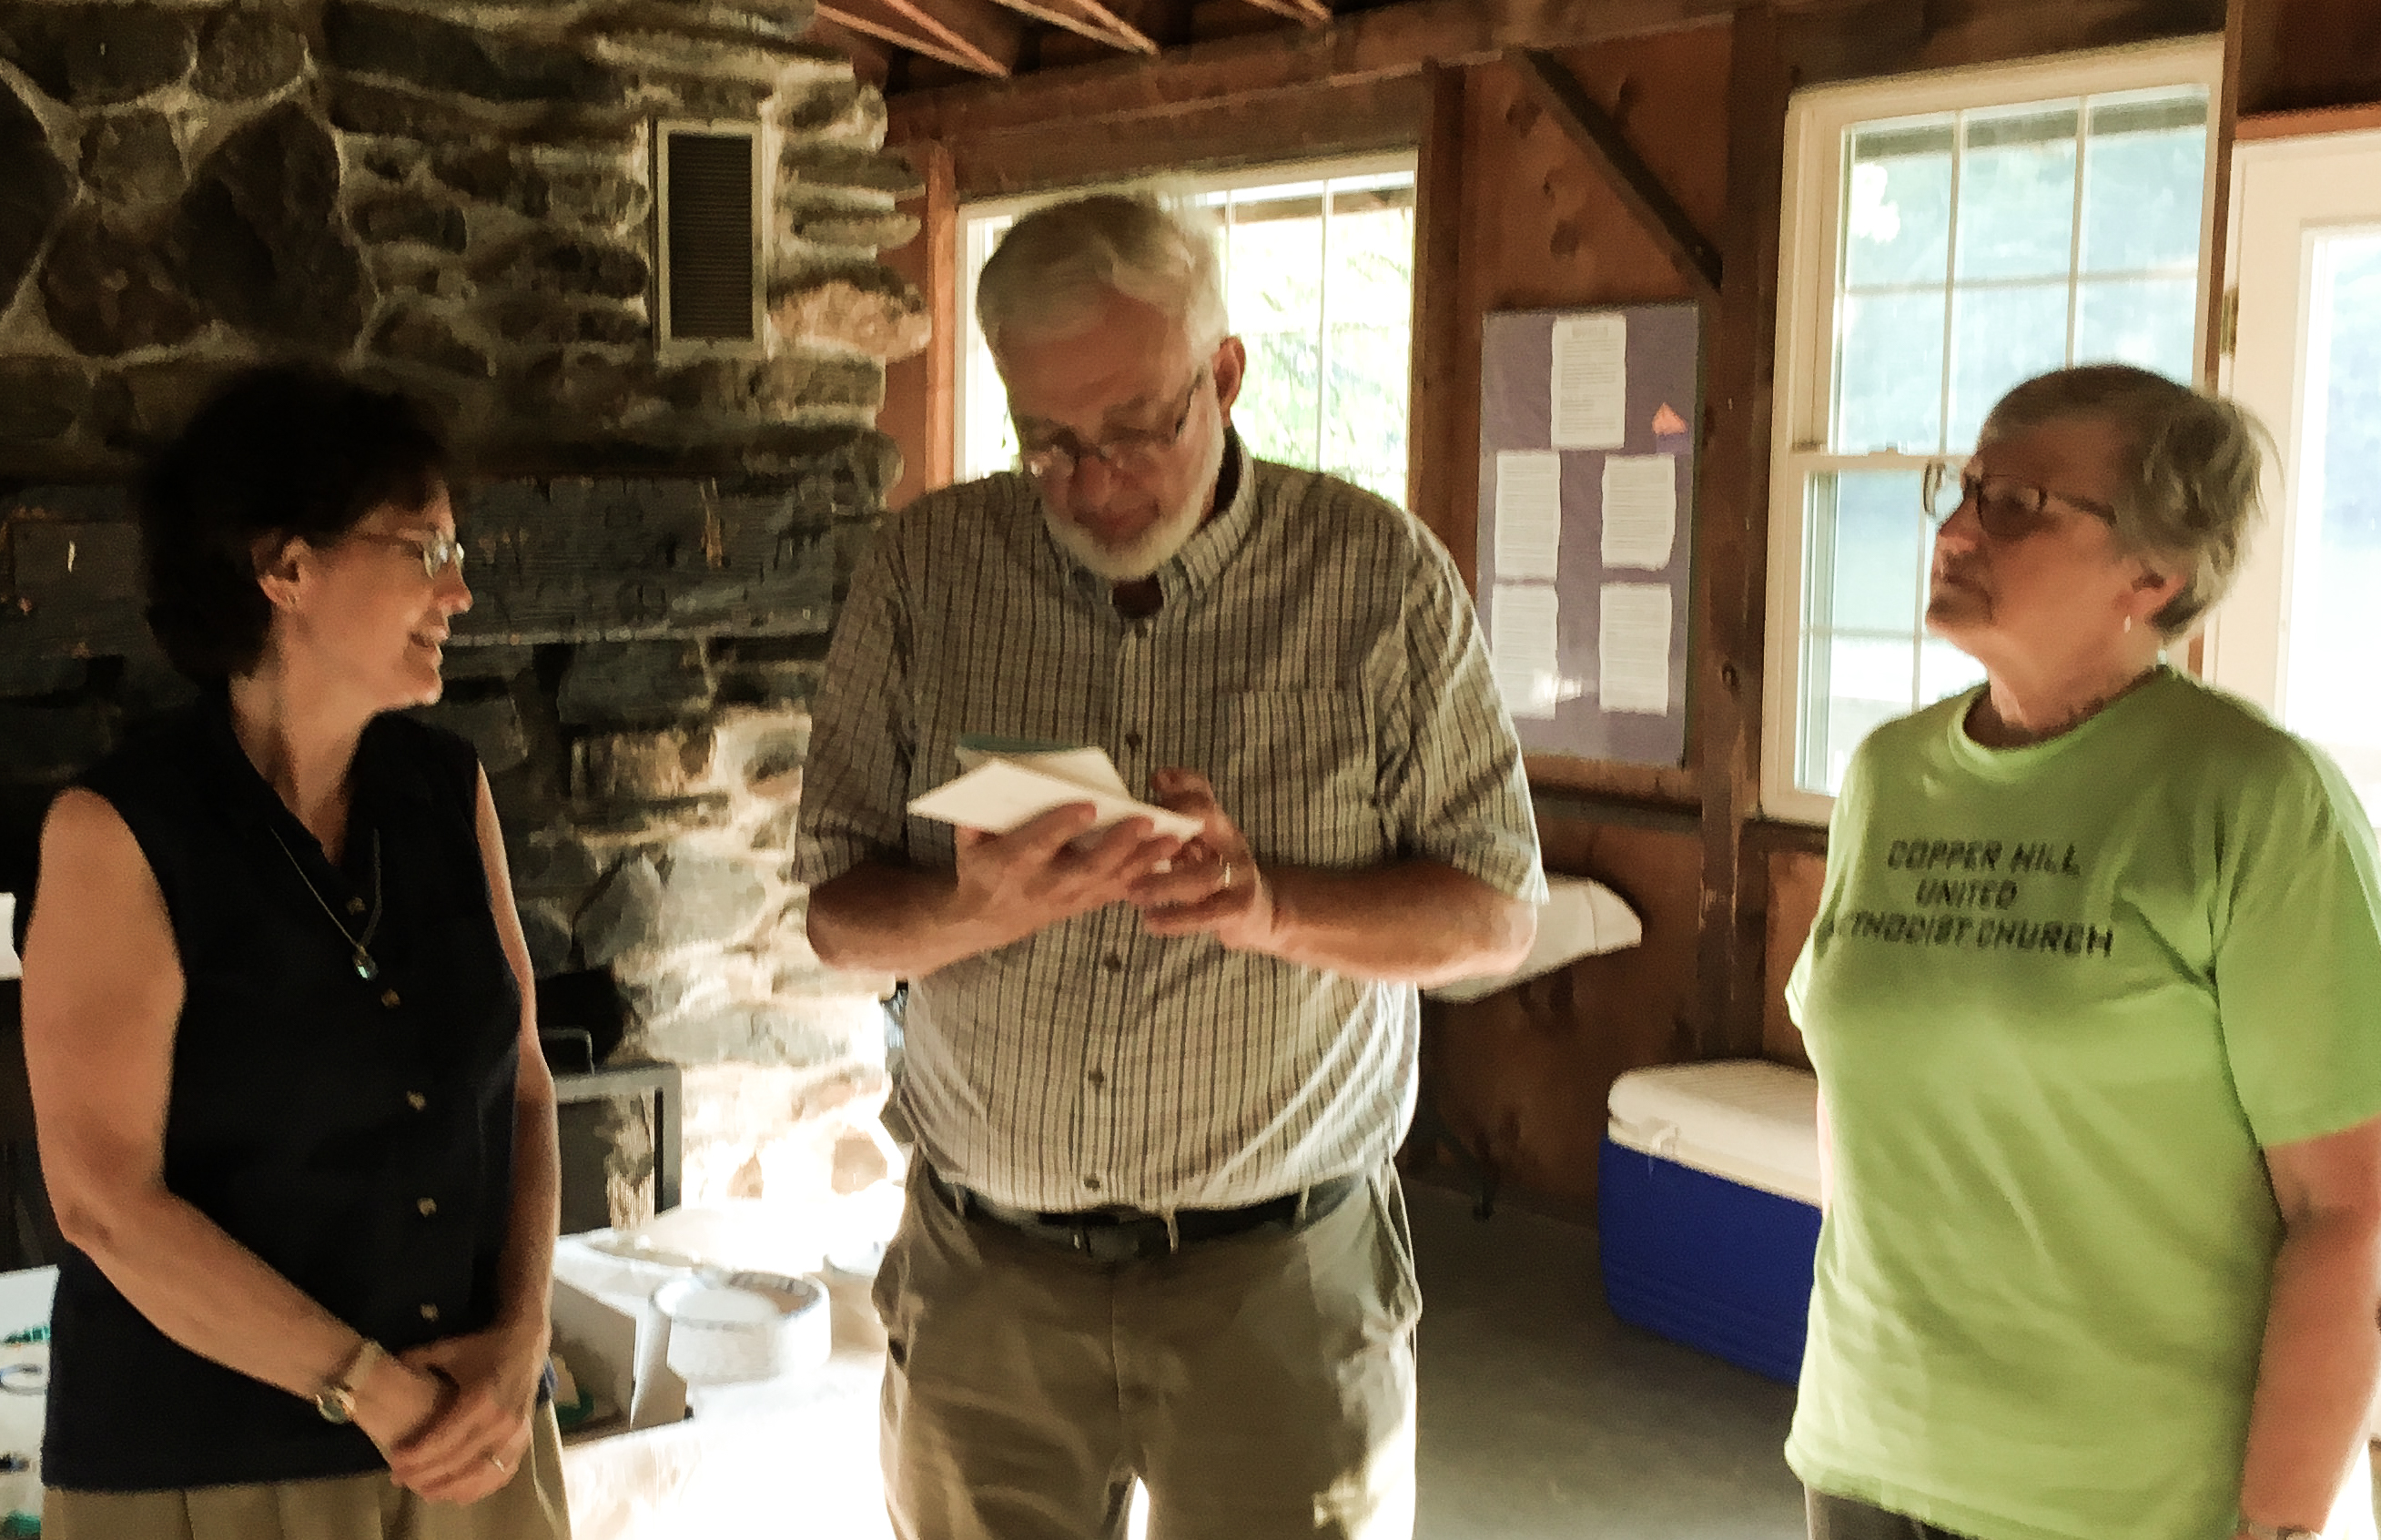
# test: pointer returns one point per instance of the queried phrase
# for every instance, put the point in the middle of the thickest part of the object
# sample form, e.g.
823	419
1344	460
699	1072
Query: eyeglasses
2008	508
437	552
1130	453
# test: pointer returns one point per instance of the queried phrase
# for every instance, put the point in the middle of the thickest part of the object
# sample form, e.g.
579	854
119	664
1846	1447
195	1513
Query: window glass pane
1898	204
2328	690
2144	321
2142	183
1889	374
1370	300
1851	685
2001	335
1875	536
1273	277
1943	671
2017	195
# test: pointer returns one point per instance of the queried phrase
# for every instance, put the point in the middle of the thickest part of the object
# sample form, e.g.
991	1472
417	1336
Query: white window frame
968	335
2285	192
1811	218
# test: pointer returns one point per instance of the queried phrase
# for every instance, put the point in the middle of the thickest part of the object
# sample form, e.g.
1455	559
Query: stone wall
458	198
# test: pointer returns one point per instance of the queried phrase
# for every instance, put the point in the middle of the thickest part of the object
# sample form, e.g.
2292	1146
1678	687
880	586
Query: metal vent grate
708	228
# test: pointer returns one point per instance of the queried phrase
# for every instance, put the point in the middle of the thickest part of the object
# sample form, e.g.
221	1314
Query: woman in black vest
277	1017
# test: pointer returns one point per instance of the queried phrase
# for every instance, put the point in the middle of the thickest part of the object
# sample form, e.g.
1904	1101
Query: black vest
361	1148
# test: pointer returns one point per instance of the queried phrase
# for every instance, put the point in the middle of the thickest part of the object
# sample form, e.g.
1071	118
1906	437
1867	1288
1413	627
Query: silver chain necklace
360	945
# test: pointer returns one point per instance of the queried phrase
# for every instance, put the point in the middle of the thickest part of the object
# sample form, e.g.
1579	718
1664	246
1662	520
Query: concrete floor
1543	1416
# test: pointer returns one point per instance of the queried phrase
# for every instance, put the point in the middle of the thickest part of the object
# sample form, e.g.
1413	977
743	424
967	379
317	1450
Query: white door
2299	635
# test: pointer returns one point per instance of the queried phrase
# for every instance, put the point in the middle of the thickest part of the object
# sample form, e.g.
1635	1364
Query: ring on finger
497	1461
1228	878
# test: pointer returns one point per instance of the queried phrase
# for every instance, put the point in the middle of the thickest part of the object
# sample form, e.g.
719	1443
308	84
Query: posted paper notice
1640	509
1529	513
1523	651
1633	648
1591	381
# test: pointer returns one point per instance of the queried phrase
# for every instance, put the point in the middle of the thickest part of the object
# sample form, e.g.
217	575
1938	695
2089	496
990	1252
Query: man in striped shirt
1152	1229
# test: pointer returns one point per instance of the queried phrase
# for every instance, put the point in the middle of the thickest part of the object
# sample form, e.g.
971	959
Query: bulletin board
1587	478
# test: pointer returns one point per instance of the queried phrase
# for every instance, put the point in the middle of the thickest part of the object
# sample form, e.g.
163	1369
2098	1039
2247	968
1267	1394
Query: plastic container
730	1326
1707	1208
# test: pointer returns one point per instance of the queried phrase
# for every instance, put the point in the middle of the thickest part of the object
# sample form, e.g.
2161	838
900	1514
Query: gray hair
1058	263
2193	490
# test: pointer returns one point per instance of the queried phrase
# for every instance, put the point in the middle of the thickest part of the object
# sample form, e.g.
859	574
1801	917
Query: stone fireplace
460	200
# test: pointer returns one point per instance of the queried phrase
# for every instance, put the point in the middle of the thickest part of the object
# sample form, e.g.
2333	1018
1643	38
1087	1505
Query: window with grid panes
1946	240
1318	275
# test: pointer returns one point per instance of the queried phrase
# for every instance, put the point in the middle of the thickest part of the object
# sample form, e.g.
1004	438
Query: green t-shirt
2058	997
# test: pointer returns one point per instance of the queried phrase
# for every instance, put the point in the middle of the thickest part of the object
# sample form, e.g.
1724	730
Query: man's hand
1217	887
1046	870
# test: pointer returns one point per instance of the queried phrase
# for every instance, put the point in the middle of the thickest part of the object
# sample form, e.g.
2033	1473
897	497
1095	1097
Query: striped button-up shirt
1316	657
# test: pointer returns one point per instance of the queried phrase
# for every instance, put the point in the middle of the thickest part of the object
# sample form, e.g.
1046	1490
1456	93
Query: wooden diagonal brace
1088	17
1594	130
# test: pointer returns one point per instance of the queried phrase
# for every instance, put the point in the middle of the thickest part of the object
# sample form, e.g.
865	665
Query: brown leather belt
1130	1235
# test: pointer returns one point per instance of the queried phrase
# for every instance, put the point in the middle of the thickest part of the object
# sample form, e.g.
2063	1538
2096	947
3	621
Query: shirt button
1113	963
415	1100
429	1312
1097	1078
1092	1184
428	1206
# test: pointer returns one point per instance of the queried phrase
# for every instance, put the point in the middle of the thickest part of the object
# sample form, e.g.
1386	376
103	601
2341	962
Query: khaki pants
530	1507
1259	1386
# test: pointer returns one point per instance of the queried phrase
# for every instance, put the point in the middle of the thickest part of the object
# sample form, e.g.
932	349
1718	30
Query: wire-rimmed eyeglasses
437	552
1131	452
2009	507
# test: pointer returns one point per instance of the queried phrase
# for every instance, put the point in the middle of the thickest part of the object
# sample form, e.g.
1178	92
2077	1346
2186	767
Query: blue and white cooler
1707	1207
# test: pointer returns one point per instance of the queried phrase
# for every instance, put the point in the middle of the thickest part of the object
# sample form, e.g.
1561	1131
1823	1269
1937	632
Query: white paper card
999	794
1088	768
1640	509
1529	513
1591	381
1523	649
1633	648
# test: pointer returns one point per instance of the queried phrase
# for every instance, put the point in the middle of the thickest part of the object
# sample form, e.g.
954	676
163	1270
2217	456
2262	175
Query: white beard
1151	549
1137	558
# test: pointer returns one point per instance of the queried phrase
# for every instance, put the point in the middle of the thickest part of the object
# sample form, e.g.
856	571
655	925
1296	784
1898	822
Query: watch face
336	1406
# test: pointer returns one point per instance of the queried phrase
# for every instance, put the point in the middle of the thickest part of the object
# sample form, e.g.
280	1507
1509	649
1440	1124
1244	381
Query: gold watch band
336	1400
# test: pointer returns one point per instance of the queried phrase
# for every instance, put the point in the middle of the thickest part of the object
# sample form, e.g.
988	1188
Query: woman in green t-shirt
2095	997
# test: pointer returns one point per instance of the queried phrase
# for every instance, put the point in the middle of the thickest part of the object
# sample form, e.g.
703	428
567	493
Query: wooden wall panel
1794	877
922	391
1521	1078
2296	55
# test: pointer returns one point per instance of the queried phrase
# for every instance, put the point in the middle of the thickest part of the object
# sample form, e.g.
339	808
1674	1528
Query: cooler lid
1746	1119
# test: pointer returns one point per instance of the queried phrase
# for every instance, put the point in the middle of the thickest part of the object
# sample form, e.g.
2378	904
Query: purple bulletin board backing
1664	355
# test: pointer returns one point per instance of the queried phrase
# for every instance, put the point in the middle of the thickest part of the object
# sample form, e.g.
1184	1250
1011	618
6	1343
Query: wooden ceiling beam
1370	46
871	59
975	35
1089	19
1598	136
1312	13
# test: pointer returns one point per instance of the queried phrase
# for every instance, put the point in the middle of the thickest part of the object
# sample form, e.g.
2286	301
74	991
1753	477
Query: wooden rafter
1088	17
1313	13
1599	137
1125	95
974	35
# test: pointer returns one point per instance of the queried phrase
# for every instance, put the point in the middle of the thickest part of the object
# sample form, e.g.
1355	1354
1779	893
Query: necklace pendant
366	969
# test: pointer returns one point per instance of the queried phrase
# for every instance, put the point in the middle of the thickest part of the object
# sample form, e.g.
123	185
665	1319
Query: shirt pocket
1304	787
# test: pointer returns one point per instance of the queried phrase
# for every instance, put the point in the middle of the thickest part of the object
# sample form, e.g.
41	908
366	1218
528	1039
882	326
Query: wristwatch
336	1400
2256	1531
